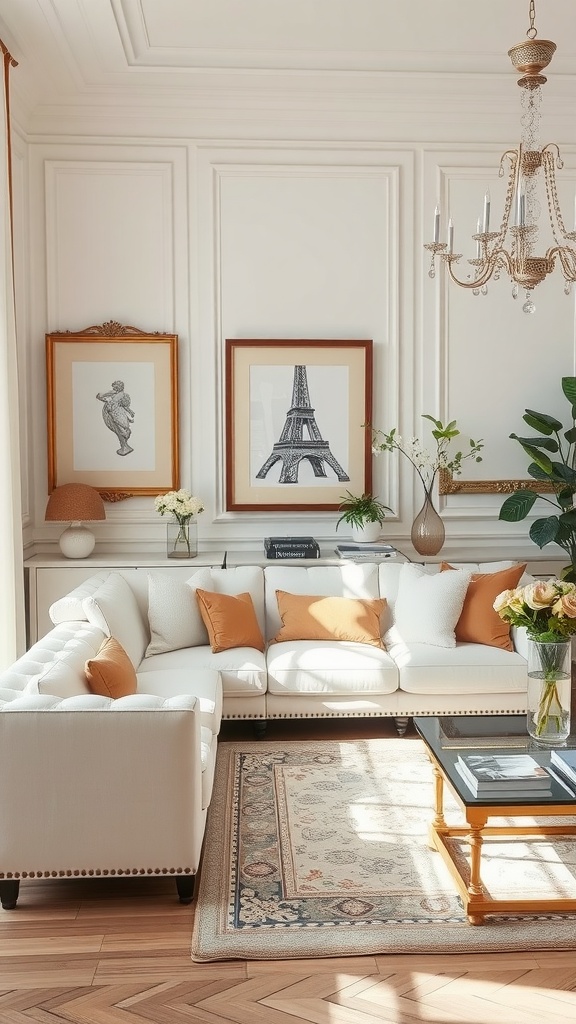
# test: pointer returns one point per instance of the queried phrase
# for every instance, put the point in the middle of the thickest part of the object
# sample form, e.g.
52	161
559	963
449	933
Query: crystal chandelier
531	170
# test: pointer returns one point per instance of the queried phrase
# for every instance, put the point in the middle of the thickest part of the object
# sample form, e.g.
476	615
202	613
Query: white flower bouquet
180	504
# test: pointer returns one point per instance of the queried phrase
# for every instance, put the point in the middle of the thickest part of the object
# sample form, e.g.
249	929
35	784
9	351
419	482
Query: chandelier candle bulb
450	235
437	224
486	220
478	243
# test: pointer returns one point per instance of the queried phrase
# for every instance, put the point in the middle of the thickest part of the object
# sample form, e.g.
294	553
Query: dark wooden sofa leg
401	723
9	889
260	726
185	887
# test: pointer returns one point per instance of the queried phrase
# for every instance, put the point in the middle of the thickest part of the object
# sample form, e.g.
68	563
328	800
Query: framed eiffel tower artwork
295	409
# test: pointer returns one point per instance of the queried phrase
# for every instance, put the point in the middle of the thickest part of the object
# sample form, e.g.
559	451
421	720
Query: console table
49	577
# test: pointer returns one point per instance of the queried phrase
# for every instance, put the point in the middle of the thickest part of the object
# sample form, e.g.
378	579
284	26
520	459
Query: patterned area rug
318	849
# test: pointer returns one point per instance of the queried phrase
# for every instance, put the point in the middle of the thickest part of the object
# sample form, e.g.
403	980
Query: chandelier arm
554	210
487	272
567	259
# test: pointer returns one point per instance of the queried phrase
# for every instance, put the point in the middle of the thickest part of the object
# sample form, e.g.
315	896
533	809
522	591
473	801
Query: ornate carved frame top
447	484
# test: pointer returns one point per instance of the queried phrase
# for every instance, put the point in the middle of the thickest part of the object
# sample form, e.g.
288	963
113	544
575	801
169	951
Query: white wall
283	239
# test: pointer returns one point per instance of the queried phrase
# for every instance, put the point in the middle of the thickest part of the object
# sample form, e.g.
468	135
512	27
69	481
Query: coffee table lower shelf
477	901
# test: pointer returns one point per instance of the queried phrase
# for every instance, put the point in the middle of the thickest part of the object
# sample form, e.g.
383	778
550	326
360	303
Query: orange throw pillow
111	673
478	622
307	617
230	620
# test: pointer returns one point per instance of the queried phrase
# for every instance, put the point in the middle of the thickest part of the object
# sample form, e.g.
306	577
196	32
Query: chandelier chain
532	33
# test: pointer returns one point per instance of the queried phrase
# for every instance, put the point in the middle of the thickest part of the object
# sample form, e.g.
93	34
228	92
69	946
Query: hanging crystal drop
515	290
484	289
528	306
475	291
432	273
567	287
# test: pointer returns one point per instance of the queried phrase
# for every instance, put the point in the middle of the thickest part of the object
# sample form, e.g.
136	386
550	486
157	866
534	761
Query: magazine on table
512	790
500	771
565	762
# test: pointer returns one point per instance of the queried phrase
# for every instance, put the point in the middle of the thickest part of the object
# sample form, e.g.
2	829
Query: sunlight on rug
318	849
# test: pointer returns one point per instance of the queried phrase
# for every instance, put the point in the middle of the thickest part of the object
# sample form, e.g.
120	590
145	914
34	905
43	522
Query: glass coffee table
447	737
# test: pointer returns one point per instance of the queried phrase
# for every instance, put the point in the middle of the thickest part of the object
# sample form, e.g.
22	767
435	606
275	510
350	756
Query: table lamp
75	503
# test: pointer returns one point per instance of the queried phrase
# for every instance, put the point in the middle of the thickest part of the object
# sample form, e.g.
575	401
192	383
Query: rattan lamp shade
75	504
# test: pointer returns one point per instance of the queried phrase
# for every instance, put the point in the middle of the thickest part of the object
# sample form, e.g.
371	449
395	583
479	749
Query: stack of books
291	547
376	552
504	775
564	762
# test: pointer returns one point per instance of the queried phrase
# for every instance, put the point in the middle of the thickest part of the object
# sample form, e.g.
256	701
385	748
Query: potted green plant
364	514
553	456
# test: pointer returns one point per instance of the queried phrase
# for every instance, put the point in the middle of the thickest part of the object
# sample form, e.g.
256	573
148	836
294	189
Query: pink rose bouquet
546	608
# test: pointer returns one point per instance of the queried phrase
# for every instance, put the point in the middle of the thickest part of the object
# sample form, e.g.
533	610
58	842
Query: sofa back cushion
478	622
389	575
314	617
428	605
111	673
114	609
173	611
230	620
354	580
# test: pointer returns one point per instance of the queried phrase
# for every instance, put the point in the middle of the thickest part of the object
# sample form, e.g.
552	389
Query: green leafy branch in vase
553	460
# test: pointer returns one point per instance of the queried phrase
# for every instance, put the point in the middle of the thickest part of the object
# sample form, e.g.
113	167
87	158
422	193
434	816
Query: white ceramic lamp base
77	541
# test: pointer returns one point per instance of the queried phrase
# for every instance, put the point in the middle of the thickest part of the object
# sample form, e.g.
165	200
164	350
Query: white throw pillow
114	609
173	612
428	606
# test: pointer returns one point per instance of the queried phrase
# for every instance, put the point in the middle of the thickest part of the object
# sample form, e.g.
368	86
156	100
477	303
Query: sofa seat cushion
466	668
325	666
205	684
242	669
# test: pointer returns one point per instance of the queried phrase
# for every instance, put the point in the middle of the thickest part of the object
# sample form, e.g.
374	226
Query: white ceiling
84	52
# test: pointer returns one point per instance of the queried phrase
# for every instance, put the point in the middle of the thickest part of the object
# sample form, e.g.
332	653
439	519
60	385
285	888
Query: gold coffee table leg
438	821
475	887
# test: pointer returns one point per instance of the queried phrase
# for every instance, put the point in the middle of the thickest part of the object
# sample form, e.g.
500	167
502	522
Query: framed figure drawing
112	402
295	415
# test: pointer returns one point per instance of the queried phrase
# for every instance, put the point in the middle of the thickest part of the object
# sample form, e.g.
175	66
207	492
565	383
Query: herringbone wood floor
117	952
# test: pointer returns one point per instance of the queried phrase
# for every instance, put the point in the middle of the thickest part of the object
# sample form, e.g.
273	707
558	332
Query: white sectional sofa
95	785
155	616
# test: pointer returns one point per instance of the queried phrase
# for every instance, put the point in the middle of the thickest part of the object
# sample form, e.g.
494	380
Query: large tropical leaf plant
553	457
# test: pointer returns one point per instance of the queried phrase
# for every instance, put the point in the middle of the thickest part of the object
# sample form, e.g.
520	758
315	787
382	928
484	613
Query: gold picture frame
295	410
112	409
448	484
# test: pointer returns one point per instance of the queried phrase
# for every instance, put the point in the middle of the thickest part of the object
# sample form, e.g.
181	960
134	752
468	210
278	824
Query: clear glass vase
182	539
428	531
549	691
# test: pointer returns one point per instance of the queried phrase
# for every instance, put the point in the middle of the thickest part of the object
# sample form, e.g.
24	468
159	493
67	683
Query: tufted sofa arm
91	786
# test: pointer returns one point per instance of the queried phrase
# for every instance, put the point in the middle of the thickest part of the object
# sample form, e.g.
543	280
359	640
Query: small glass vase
549	691
428	531
182	539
